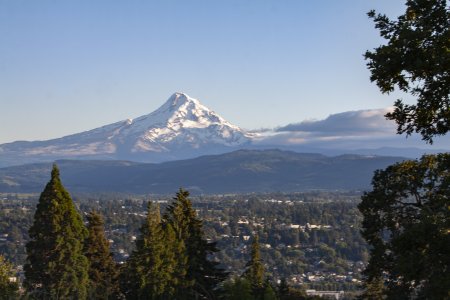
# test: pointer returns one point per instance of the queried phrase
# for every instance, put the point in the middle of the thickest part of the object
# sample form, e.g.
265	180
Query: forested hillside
244	171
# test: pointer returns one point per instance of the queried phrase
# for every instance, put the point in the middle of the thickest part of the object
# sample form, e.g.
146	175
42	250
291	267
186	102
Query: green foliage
286	292
56	267
238	289
202	274
176	254
15	222
268	293
151	271
374	289
406	222
102	268
255	270
297	294
416	59
8	289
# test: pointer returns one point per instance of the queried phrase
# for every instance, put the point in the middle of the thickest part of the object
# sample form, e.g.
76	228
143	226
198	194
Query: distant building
326	294
243	221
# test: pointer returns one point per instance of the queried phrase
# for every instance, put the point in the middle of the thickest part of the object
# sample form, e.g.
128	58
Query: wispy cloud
349	130
353	123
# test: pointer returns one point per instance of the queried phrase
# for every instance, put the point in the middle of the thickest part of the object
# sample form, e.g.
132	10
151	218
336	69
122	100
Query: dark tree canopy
416	60
255	272
172	256
203	275
238	289
151	269
407	223
56	267
103	275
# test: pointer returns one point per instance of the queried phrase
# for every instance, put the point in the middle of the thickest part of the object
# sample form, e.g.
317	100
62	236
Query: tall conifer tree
255	269
103	275
56	267
151	267
203	275
237	289
175	253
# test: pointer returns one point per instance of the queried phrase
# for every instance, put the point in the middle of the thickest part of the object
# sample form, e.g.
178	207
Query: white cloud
363	129
350	123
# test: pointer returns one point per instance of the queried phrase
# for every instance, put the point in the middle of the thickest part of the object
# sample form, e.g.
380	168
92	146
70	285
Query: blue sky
70	66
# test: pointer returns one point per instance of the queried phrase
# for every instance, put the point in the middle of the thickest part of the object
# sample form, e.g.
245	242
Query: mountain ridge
235	172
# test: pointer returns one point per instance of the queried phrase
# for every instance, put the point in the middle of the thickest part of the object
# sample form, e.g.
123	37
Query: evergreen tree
129	278
8	289
255	269
175	253
298	294
150	270
56	267
102	268
202	274
238	289
269	293
374	290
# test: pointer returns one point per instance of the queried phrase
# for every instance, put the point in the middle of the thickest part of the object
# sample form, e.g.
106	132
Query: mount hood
181	128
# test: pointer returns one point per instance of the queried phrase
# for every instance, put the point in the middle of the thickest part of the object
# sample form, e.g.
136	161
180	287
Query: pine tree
129	278
268	292
255	269
102	268
56	267
175	254
149	271
202	274
238	289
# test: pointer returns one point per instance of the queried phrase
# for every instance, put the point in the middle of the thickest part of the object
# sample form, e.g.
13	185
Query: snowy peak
181	128
180	108
179	112
184	120
178	100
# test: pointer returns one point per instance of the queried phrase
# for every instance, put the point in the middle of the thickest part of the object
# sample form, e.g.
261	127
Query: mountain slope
239	171
181	128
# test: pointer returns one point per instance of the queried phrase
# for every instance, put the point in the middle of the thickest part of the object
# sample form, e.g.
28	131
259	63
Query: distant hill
235	172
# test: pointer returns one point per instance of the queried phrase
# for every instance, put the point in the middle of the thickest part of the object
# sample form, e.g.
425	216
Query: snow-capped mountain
181	128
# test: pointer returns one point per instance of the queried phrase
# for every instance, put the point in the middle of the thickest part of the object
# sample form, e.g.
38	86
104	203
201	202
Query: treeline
67	259
327	258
